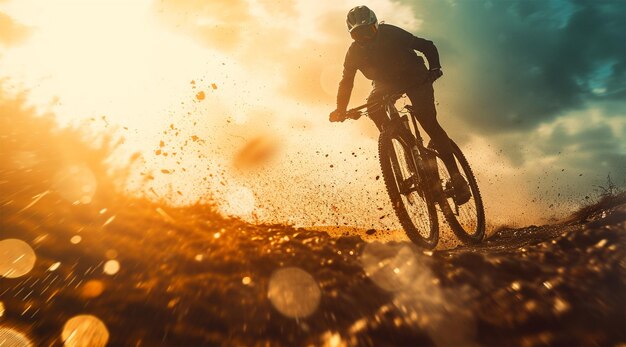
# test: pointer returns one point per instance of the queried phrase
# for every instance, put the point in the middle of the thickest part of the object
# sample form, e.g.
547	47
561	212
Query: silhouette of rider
386	55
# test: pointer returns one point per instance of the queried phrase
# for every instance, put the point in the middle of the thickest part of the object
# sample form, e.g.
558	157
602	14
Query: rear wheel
467	221
415	208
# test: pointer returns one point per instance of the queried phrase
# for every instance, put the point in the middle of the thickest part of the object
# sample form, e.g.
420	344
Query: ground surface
190	277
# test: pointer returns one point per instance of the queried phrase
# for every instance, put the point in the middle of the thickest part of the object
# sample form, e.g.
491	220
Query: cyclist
386	55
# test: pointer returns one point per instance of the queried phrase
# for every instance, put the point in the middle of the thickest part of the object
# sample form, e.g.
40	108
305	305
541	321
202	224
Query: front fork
412	157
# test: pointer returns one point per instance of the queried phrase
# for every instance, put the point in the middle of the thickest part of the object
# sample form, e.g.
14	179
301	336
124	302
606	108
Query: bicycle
417	179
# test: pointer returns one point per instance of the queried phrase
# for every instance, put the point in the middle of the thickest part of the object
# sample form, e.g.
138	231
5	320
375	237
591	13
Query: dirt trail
189	277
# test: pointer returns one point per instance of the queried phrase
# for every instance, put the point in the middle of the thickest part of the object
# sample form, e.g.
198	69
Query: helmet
362	24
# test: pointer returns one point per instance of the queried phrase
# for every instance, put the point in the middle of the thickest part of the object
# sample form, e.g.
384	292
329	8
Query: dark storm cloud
526	62
596	145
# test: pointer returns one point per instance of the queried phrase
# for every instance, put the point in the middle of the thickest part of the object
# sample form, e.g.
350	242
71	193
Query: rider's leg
423	101
377	114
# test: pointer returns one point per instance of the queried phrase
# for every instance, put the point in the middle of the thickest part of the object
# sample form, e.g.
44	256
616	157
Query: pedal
448	189
405	186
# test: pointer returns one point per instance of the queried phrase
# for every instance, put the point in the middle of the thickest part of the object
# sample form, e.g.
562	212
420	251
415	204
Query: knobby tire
466	236
385	150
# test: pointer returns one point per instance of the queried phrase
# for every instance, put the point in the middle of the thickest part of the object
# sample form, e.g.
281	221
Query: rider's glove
337	116
434	74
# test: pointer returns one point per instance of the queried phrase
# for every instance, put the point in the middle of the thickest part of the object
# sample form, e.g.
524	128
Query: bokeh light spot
76	239
85	330
13	338
111	267
92	289
294	292
392	268
17	258
54	266
76	183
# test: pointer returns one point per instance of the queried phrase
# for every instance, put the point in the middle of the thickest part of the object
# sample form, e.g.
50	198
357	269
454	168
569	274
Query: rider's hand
337	116
434	74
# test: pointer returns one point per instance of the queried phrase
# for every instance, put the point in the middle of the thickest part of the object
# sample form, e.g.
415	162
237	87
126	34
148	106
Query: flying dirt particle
214	86
333	339
246	280
200	96
165	171
370	231
377	178
293	292
111	267
85	330
193	82
76	239
165	215
54	266
92	289
108	221
10	337
560	305
256	152
161	144
17	258
103	211
547	284
172	303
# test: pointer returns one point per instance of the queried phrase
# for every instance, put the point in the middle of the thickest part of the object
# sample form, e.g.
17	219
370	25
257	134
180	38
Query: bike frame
409	139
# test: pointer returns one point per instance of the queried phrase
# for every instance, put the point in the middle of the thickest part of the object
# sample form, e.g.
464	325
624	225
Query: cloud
302	43
522	62
11	32
589	141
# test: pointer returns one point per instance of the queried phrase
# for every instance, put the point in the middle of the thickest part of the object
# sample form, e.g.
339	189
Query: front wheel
414	207
467	220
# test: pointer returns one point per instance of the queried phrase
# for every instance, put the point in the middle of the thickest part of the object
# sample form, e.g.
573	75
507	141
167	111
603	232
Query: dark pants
423	100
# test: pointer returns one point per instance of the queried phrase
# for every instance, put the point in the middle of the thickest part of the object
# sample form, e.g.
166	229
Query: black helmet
362	24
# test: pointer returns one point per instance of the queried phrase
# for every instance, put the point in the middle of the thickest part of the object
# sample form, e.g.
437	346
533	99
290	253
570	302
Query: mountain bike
418	181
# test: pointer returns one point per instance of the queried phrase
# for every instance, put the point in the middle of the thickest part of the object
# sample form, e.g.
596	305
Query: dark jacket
391	59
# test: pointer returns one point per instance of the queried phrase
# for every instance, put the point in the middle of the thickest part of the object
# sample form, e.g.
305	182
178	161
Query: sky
230	99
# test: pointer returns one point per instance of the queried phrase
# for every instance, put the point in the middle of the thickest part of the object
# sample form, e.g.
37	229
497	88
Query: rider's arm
407	39
429	50
346	83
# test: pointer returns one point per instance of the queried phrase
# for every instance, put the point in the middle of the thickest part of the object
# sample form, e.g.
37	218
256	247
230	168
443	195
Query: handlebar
356	113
